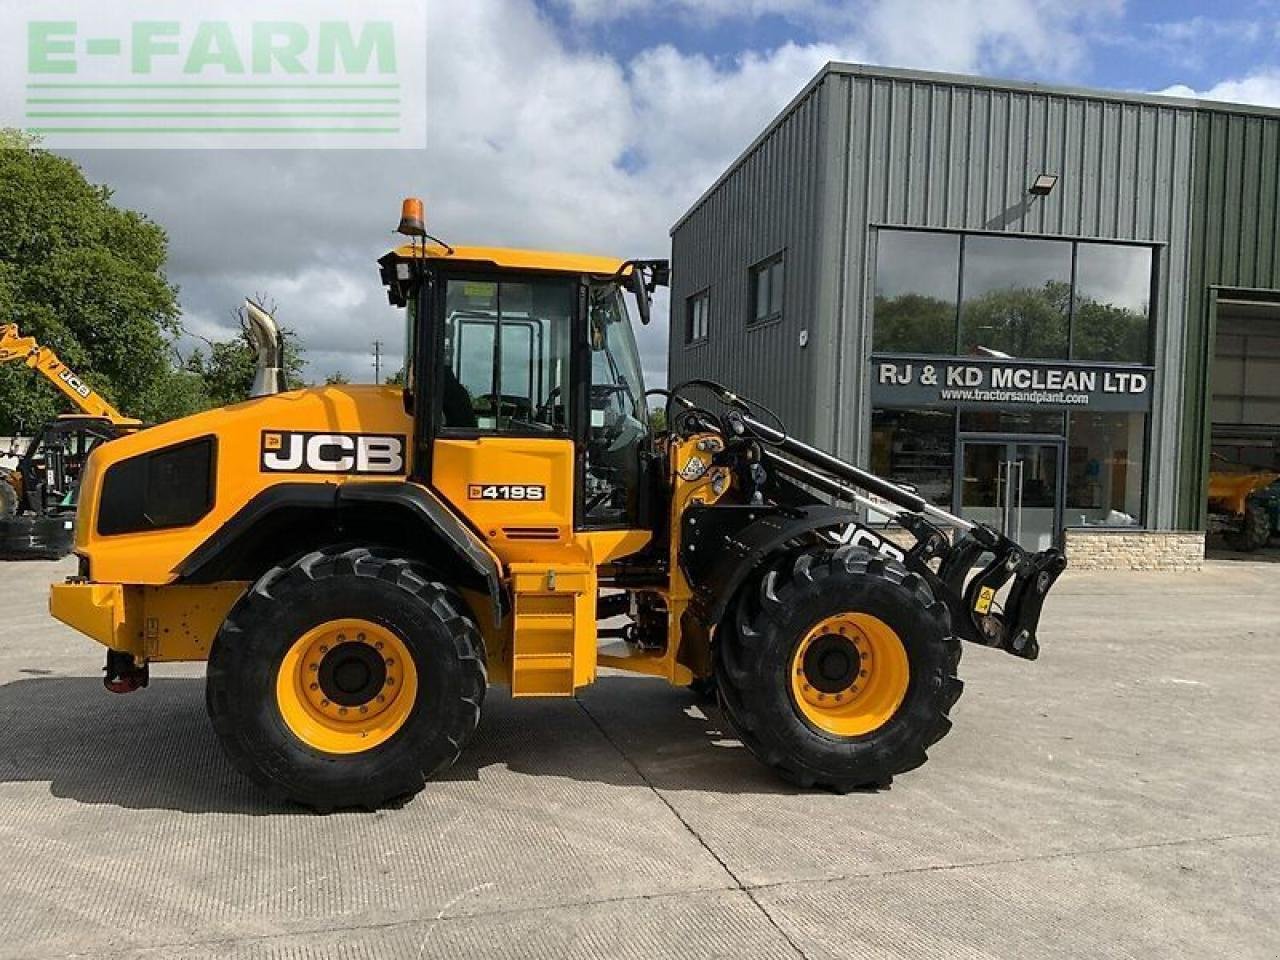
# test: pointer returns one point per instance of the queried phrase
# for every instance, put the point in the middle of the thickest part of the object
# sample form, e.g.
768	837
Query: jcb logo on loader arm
286	451
860	536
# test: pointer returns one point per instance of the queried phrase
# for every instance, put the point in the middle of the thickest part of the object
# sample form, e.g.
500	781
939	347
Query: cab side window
507	350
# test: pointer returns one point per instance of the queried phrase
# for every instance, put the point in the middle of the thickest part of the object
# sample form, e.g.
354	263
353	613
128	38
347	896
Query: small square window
768	286
698	318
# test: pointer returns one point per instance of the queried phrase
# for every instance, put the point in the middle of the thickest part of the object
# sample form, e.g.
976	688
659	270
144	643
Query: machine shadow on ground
155	749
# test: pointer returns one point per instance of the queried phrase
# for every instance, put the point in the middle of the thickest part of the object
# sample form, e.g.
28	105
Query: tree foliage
85	278
1026	322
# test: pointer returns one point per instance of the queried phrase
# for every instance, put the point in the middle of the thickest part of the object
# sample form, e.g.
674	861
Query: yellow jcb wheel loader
359	564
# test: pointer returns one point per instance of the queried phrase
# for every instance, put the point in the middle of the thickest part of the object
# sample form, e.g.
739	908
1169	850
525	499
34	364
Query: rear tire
8	496
837	669
302	680
36	538
1254	532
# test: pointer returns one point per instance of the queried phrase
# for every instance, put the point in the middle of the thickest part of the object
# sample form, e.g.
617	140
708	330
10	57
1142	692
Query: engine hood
323	435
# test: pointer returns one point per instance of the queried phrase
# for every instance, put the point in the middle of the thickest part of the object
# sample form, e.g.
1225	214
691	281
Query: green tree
336	378
85	278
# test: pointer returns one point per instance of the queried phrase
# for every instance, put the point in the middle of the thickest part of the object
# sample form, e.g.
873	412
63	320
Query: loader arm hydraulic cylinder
840	469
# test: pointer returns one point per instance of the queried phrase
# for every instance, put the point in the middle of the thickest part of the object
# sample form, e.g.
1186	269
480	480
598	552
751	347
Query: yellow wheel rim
849	674
346	686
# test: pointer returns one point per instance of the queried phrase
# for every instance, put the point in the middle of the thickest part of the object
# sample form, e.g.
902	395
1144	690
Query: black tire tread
229	648
754	622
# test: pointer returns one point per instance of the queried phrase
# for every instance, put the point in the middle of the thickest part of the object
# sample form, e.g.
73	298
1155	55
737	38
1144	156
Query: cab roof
509	259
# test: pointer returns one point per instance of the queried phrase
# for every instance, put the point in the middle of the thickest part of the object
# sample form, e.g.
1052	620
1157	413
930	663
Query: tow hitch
123	675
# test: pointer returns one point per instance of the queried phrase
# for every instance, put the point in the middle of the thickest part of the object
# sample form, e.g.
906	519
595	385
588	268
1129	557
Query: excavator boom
16	348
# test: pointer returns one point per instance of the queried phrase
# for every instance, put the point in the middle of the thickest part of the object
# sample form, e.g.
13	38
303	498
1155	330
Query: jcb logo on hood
285	451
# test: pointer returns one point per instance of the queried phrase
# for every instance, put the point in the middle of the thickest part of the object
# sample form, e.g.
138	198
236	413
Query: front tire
346	680
838	669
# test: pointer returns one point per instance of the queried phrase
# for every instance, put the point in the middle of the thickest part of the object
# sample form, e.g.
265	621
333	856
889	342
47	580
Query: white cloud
592	11
1261	88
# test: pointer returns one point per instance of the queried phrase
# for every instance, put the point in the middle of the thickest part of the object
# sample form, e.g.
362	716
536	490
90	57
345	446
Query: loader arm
15	348
967	572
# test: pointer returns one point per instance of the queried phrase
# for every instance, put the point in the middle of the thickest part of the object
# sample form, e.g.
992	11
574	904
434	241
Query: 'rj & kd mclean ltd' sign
970	382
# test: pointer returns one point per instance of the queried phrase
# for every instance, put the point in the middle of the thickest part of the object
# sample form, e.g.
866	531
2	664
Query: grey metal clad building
1042	306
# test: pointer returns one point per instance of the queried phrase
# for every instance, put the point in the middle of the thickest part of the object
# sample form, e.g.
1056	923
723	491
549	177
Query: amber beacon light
413	221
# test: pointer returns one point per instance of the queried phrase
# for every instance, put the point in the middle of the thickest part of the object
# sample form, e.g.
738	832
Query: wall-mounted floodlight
1044	184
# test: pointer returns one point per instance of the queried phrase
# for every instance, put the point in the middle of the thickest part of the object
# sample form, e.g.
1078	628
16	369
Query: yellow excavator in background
37	497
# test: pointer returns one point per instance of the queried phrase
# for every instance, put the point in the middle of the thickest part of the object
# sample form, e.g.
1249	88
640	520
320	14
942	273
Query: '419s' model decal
287	451
505	491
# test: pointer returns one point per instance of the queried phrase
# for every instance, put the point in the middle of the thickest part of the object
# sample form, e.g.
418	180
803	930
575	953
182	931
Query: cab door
504	452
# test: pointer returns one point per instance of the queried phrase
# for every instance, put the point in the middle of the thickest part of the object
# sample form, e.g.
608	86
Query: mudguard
723	545
420	521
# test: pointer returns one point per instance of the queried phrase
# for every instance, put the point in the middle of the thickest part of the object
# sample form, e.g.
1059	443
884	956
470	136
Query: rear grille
531	533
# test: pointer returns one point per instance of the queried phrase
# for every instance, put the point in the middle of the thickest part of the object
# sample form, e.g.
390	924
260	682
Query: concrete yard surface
1116	799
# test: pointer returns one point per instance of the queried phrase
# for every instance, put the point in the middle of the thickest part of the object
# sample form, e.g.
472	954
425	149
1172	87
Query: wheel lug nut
324	703
391	663
863	673
360	637
315	667
378	645
381	698
391	681
364	709
315	686
324	649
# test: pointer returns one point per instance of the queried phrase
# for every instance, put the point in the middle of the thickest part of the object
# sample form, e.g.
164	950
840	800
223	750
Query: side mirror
641	290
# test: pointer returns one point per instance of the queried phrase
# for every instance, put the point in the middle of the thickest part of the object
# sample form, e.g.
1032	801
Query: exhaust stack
268	348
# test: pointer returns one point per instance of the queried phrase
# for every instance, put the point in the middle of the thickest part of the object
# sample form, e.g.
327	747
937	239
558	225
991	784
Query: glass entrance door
1014	486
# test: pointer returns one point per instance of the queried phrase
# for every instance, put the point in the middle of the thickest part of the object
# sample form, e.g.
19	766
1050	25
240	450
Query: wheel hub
849	674
352	674
346	685
832	663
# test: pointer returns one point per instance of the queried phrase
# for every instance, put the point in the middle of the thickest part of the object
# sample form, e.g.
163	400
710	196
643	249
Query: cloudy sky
593	124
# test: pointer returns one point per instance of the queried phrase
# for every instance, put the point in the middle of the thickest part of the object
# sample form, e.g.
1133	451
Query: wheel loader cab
531	409
525	384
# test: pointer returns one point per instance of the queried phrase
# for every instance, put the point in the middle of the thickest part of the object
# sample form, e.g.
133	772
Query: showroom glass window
943	294
916	447
1017	298
1106	456
917	291
1112	303
1025	298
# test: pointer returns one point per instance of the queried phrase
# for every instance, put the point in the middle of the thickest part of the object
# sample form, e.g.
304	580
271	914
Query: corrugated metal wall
963	156
769	203
1235	243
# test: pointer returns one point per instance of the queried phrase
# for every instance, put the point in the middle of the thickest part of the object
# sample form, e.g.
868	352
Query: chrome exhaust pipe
268	348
